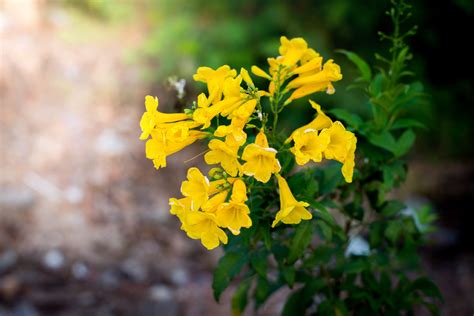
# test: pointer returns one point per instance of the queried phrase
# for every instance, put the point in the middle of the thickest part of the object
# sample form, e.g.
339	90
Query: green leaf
383	140
325	230
240	297
258	261
227	268
351	119
322	212
363	67
393	231
301	240
288	274
405	142
427	287
392	208
407	123
300	300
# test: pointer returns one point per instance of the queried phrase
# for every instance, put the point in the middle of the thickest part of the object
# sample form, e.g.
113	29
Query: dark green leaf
325	230
405	142
407	123
383	140
227	268
301	240
258	261
240	298
427	287
300	300
363	67
351	119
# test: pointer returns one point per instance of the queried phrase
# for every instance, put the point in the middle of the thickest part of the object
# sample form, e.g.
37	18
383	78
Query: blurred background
84	224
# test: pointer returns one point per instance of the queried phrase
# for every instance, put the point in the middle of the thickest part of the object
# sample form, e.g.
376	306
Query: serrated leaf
363	67
227	268
301	240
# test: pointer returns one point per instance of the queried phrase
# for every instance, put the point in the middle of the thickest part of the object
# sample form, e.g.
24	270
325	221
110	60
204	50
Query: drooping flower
203	226
261	161
181	208
341	147
197	188
291	211
320	122
309	146
223	153
235	214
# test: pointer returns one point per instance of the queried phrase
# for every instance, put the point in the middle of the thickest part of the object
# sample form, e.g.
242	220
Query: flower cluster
229	114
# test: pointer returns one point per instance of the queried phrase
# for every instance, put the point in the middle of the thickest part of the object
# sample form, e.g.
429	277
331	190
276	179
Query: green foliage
363	263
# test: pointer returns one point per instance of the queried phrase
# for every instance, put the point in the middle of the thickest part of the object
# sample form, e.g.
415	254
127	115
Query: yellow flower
197	187
234	134
203	226
180	208
235	214
291	211
292	50
152	117
319	81
159	147
320	122
260	159
341	147
215	80
309	146
224	154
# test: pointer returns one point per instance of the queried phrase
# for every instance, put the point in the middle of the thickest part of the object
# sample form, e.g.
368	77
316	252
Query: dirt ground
84	224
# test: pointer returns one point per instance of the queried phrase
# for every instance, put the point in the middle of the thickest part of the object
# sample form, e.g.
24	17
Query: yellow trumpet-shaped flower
309	146
159	146
321	121
234	134
181	208
319	81
291	211
292	50
203	226
152	117
260	159
197	187
341	147
224	154
235	214
215	80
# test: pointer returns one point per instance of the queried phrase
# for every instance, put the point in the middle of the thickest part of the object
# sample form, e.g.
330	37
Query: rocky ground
84	224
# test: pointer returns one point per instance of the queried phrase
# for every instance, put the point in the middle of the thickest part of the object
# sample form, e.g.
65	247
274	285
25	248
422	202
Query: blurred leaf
407	123
227	268
405	142
351	119
240	297
363	67
427	287
258	261
298	301
301	240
